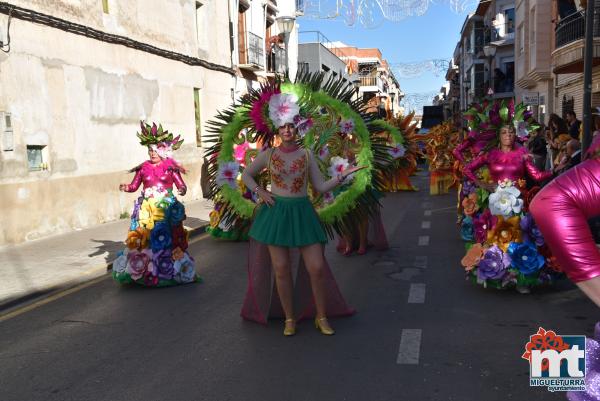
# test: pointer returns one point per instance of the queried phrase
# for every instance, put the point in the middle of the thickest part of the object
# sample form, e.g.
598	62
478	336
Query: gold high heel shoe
290	329
323	326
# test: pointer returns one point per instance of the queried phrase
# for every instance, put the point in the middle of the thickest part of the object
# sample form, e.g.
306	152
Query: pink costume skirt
262	301
561	210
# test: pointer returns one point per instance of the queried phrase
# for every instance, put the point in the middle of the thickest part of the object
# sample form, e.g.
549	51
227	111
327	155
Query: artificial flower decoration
505	232
259	111
472	257
531	232
138	263
239	152
303	125
160	237
184	269
177	254
466	229
505	201
397	151
525	257
164	150
328	197
282	109
176	212
482	223
155	136
137	239
469	204
347	126
493	265
228	173
467	188
324	153
119	265
179	237
163	263
338	165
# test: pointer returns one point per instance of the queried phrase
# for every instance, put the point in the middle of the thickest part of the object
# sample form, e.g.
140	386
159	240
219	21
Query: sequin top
289	172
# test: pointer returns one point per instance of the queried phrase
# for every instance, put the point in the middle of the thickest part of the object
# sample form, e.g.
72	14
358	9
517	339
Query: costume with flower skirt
440	140
505	246
156	252
306	210
405	165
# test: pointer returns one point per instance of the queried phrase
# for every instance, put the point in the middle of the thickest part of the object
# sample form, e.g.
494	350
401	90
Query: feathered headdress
159	139
491	116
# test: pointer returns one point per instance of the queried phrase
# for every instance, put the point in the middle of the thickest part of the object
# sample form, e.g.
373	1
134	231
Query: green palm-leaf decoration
327	100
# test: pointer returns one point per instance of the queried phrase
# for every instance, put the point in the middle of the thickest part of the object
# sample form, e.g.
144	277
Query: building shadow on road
108	248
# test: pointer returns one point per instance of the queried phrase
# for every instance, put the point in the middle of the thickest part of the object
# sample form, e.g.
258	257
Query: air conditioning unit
7	132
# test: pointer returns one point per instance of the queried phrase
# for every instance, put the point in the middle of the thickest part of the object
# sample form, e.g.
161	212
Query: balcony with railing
252	55
570	37
500	34
276	60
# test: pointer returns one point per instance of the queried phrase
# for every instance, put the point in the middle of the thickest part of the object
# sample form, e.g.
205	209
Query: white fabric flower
119	265
338	165
505	201
163	149
282	109
227	174
397	151
185	269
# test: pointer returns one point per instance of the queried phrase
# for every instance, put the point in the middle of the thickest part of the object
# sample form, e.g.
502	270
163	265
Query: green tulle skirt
290	222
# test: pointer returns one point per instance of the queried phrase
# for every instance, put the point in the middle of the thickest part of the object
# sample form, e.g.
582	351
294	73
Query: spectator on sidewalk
537	147
574	124
596	125
572	157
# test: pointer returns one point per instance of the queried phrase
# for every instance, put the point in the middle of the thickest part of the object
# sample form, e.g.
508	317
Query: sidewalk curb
22	301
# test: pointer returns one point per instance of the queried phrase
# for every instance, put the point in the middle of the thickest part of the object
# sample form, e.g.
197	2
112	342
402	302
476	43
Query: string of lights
372	13
416	69
415	101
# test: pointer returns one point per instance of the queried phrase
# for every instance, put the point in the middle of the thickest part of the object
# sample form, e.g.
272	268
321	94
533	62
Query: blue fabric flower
176	213
185	269
525	257
466	229
160	237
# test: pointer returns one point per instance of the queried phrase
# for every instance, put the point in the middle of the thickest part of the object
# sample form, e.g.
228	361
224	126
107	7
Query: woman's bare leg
591	288
315	264
280	258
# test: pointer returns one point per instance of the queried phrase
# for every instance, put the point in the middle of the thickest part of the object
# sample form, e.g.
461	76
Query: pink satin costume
561	210
162	175
511	165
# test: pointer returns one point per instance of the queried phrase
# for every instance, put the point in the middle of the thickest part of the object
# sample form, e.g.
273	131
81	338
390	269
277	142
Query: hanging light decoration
416	69
416	101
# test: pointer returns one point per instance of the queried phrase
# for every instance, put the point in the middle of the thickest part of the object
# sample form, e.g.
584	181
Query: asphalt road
421	332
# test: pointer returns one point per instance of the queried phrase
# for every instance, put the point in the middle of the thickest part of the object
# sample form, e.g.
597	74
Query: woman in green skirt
286	218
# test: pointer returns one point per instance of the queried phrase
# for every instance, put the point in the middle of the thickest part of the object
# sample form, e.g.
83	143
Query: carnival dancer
156	253
506	247
562	209
286	219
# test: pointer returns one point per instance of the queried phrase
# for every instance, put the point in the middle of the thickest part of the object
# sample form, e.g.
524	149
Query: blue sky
431	36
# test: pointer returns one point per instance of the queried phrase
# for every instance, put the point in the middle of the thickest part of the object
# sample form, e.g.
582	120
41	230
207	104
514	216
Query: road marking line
63	293
426	225
51	298
410	347
420	262
416	294
424	240
426	205
427	213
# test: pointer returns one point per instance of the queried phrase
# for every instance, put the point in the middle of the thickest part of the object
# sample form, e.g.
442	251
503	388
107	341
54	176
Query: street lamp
286	26
490	52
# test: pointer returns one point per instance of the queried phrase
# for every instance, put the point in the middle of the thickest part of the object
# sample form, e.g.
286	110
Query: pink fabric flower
346	126
483	223
138	263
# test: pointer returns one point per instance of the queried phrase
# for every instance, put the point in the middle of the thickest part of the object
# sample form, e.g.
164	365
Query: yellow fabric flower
505	232
150	213
137	239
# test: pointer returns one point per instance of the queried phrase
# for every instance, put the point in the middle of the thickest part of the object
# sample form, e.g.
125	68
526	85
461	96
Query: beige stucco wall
82	99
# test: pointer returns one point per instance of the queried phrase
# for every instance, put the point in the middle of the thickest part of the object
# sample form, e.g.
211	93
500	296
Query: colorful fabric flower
163	263
482	224
493	265
150	213
469	204
138	263
303	125
397	151
505	232
472	257
163	149
347	126
466	229
136	208
185	271
328	197
258	112
338	165
137	239
176	213
525	257
119	265
177	254
239	151
282	109
468	187
179	237
160	237
505	201
531	232
227	174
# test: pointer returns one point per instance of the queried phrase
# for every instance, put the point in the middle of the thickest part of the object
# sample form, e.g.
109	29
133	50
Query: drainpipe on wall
234	35
587	76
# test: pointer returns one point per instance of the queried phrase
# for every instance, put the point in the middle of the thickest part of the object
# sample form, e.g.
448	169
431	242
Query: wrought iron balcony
572	27
252	56
276	60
